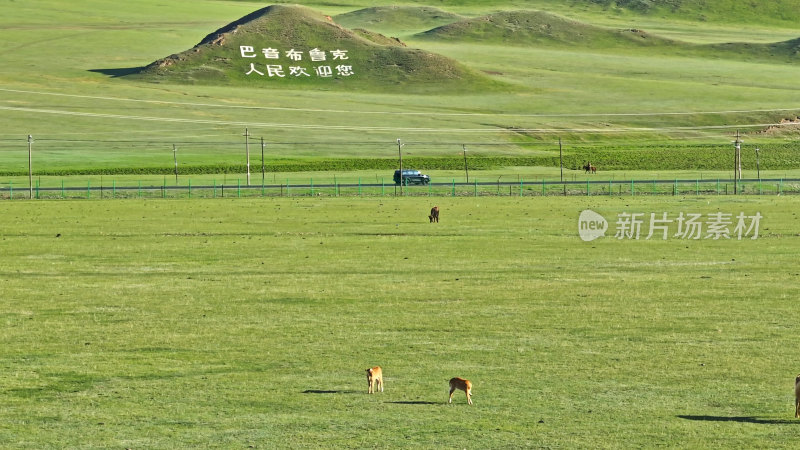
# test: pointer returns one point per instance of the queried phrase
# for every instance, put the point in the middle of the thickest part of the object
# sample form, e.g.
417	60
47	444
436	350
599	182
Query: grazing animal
590	168
464	385
797	396
434	216
374	379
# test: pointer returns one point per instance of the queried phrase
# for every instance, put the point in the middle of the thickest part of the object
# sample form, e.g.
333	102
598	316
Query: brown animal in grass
464	385
797	396
434	217
374	379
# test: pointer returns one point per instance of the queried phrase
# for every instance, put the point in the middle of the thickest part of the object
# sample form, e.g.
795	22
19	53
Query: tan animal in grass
464	385
374	379
434	216
797	396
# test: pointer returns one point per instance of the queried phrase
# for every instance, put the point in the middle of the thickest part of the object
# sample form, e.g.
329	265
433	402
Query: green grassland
249	323
70	80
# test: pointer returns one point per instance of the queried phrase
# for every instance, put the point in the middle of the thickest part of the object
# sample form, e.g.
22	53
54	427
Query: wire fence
293	188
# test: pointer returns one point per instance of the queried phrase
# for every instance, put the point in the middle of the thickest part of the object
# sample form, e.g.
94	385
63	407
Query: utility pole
400	157
758	169
247	149
30	165
262	161
175	157
561	163
466	170
737	163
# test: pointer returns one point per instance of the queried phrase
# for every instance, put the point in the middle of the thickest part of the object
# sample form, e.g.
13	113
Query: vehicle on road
411	177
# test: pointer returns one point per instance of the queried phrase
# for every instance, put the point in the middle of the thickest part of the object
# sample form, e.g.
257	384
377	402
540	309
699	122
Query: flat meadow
187	319
250	322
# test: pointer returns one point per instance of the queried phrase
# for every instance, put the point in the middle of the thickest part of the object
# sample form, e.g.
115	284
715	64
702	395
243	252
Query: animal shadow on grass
329	391
742	419
416	402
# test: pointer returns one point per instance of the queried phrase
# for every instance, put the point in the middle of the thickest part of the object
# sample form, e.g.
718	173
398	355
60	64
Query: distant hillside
293	46
525	28
539	27
786	50
398	17
785	12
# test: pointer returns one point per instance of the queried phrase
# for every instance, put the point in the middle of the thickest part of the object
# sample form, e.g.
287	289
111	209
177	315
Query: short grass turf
250	322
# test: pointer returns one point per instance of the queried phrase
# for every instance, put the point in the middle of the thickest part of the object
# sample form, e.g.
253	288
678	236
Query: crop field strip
293	188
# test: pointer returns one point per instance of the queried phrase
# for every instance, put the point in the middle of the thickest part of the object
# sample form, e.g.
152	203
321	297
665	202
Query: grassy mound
539	28
788	51
526	28
398	17
781	13
238	54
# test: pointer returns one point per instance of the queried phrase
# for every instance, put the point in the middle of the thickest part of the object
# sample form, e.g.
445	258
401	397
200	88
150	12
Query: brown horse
590	168
434	216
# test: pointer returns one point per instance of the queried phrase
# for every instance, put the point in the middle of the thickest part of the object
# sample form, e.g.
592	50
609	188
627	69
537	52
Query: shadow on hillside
744	419
119	72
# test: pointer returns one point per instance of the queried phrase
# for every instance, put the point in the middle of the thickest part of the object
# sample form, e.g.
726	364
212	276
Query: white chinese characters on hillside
296	63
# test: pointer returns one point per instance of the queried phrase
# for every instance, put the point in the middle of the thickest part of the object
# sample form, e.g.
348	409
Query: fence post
139	191
238	188
675	187
312	186
190	188
543	189
587	188
717	186
214	189
780	186
383	187
88	188
632	189
287	188
655	188
113	188
520	187
696	187
454	187
11	190
476	187
62	188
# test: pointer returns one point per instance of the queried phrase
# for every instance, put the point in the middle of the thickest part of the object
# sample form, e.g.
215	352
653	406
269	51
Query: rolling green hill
544	29
540	28
782	13
398	17
297	47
